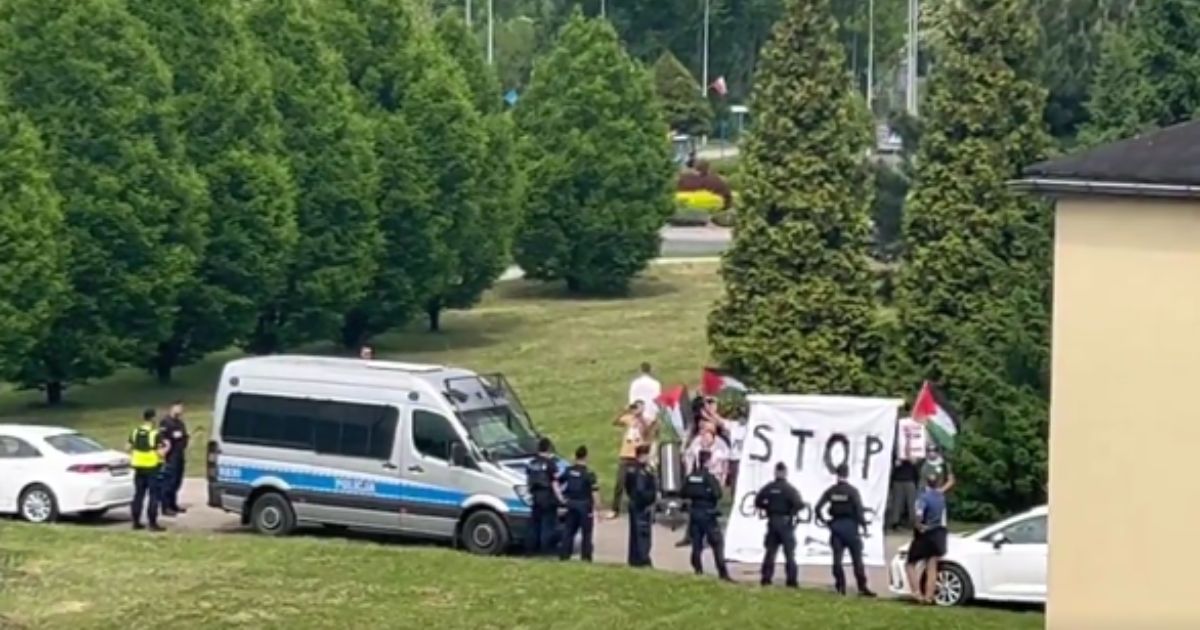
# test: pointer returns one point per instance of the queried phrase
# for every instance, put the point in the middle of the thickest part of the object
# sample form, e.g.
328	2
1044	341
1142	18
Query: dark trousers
780	533
703	526
843	535
902	499
542	522
639	535
146	491
623	467
580	520
172	482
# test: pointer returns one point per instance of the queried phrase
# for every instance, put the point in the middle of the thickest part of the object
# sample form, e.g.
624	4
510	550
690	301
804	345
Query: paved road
610	541
678	244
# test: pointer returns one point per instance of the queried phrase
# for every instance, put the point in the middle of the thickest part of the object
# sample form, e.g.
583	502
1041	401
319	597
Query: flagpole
704	76
491	34
870	55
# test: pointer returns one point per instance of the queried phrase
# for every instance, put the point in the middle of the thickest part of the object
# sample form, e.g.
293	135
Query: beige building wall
1125	416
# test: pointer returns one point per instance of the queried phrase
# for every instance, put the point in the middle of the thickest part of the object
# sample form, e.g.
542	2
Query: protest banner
813	435
912	439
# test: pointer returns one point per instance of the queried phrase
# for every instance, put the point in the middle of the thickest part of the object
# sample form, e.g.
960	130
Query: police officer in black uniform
642	488
846	517
779	502
540	479
702	492
579	490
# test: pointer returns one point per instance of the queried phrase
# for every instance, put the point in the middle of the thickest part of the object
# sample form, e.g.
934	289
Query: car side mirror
999	540
458	455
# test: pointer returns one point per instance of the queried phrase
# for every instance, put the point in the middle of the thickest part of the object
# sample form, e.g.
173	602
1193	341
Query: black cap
149	414
545	445
581	452
843	471
780	467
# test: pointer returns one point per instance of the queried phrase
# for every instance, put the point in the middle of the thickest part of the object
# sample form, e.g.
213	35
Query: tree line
802	309
183	177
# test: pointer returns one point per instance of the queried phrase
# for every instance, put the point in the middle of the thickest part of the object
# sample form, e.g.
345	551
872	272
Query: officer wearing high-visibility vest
147	449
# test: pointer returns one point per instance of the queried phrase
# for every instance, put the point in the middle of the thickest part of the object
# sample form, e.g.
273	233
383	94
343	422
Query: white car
1004	562
46	472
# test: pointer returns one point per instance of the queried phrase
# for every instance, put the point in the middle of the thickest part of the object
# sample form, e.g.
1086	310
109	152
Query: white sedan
1004	562
46	472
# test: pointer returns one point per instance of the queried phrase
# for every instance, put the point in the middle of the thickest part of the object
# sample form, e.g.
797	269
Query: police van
421	450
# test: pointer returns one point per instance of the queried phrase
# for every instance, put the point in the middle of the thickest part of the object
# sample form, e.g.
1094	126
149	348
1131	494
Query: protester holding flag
931	410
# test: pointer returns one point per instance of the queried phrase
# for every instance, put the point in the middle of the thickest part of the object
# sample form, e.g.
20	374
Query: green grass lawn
70	577
571	361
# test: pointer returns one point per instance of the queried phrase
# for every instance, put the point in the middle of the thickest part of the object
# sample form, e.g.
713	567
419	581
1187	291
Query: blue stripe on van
350	485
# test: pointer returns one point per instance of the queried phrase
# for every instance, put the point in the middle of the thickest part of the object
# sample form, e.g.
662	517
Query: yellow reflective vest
144	447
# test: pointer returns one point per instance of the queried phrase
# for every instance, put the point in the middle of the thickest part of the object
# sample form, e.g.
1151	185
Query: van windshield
501	432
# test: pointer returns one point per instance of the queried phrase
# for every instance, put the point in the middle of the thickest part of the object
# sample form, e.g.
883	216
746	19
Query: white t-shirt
646	389
737	436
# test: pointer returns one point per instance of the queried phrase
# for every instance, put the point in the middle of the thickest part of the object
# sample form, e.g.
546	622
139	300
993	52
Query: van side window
324	426
432	434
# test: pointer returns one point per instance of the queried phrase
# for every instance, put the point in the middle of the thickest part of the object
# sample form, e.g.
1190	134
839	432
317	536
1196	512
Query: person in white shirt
646	388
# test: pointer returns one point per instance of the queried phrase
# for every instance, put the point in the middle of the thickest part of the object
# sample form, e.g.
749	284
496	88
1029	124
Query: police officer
174	431
846	517
540	479
579	491
146	452
642	488
702	492
779	502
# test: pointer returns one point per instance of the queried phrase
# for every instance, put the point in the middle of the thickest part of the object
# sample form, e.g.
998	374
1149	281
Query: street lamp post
704	72
870	55
468	13
603	7
913	46
491	34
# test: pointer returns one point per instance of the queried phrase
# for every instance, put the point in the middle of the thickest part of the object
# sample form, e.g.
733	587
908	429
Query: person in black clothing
174	430
846	517
543	517
579	490
902	495
702	492
642	488
779	502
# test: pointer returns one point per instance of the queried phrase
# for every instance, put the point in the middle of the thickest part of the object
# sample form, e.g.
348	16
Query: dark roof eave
1061	187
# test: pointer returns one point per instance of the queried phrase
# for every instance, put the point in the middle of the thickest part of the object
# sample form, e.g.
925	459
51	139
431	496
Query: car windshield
74	444
500	431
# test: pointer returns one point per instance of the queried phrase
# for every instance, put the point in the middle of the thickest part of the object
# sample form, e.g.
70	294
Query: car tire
272	515
484	533
91	516
954	587
38	504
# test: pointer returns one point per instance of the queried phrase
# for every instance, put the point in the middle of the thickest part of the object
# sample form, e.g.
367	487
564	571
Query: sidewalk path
610	541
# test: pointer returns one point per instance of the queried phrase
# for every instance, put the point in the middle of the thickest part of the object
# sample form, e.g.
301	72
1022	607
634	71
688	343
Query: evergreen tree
331	148
798	310
597	163
485	246
974	290
687	110
1149	74
224	96
32	282
88	76
416	92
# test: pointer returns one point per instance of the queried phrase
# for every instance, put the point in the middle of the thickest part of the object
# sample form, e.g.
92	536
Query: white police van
421	450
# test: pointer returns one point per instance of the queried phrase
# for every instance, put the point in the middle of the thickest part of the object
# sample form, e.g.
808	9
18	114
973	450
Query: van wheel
272	515
38	504
484	533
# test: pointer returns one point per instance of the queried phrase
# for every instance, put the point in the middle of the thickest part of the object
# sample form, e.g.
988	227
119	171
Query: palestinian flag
931	410
670	413
714	381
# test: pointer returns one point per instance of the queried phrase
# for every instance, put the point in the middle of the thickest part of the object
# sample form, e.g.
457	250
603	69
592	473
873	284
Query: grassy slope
570	360
69	577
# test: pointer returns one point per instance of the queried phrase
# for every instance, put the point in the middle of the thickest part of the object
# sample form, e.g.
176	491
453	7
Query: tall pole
468	13
491	34
704	72
870	55
913	45
603	8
